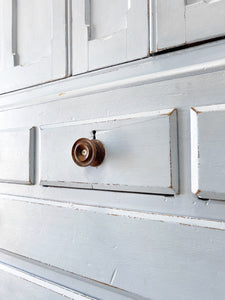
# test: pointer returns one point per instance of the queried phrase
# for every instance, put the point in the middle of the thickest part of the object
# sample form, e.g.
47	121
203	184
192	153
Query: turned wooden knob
87	152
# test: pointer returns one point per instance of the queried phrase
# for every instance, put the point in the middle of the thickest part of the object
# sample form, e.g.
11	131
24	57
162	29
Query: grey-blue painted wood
100	244
207	146
195	21
140	153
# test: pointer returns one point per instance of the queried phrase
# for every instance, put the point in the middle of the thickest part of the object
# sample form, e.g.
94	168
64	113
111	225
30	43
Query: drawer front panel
17	155
140	153
208	155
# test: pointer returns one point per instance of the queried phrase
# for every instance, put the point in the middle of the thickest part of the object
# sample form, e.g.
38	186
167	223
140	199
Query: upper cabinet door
180	22
108	32
32	42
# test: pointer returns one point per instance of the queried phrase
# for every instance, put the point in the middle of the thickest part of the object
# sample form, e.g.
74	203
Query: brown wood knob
87	152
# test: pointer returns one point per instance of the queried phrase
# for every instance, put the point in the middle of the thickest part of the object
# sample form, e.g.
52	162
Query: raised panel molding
17	155
207	151
32	54
195	21
141	153
107	33
204	20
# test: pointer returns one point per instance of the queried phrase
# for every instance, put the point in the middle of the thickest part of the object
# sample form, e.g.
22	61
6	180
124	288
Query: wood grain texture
141	153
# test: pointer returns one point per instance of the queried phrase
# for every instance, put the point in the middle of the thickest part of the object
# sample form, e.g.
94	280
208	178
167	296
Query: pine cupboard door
32	42
108	32
180	22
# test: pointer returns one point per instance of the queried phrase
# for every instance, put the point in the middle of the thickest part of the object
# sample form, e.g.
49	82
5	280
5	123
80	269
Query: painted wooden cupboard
112	149
186	22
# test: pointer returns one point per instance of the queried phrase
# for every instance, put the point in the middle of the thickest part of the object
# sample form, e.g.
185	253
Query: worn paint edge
173	155
28	267
208	108
65	292
185	71
98	87
154	190
152	26
194	151
152	216
145	114
195	114
30	132
15	181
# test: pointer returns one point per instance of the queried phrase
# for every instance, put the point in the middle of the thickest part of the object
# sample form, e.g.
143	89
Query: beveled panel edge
195	186
32	156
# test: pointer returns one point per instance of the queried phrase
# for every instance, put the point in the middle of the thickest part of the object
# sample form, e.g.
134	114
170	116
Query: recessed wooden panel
141	153
107	32
195	20
204	20
17	155
208	151
32	42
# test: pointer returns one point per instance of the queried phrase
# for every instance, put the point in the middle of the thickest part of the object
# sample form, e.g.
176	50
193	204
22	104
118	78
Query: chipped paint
62	94
195	110
198	191
44	283
133	116
170	112
132	214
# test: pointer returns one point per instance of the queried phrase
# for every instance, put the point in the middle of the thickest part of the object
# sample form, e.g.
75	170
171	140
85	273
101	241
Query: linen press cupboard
112	139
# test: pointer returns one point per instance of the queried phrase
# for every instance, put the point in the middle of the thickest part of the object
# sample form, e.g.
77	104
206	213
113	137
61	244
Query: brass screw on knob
87	152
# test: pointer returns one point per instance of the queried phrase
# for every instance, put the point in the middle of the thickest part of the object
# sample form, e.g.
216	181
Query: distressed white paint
6	55
190	62
185	87
46	284
62	278
168	24
141	154
130	241
96	244
107	33
132	214
208	162
13	287
182	22
204	20
31	54
17	155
